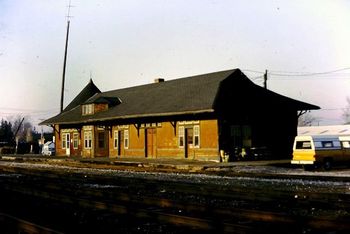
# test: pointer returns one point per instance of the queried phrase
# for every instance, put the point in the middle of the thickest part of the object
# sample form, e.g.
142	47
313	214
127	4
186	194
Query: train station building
198	117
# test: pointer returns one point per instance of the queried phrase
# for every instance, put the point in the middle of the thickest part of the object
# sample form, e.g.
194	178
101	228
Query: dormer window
97	104
88	109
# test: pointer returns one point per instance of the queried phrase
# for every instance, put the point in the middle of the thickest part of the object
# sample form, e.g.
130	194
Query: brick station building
194	117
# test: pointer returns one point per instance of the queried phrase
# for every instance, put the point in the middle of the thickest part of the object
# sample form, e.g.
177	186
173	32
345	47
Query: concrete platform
164	163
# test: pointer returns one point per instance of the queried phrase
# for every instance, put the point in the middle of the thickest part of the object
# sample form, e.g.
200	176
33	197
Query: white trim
302	162
126	139
88	109
196	133
87	139
116	137
76	134
181	135
64	140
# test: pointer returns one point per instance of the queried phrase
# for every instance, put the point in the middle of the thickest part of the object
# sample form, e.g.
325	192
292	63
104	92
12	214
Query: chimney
159	80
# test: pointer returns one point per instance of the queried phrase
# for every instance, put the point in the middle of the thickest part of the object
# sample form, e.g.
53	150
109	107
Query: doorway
67	143
150	142
120	145
188	141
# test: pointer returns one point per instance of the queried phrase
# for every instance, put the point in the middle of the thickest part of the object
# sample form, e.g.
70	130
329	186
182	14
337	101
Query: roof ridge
172	80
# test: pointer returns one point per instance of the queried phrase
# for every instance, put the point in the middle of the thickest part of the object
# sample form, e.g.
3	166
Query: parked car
48	148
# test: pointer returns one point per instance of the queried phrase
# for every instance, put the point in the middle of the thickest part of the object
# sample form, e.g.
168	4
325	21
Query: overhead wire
30	111
334	74
288	73
299	76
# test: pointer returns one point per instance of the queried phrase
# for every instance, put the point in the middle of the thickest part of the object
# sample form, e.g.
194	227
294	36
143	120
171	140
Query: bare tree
346	112
22	127
307	119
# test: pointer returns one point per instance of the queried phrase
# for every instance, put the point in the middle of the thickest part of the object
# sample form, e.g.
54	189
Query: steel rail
53	187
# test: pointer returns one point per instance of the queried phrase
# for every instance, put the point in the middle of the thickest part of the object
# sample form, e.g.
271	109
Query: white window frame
346	144
77	140
87	139
181	136
126	139
64	140
196	134
116	139
88	109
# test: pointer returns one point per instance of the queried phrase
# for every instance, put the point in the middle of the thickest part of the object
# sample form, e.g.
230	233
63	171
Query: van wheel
327	164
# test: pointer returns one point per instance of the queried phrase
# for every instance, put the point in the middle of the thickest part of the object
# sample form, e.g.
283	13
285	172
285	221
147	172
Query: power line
287	73
291	75
249	70
27	110
332	109
298	78
257	78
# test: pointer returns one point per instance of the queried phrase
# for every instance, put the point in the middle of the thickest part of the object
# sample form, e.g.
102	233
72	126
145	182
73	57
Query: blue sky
122	43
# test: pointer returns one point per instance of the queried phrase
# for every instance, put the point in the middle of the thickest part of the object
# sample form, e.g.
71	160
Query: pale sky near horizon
304	45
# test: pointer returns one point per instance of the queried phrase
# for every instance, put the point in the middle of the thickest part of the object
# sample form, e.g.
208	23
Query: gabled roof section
191	95
241	91
87	92
99	99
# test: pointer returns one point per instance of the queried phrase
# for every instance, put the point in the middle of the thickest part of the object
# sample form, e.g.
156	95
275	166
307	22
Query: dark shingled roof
87	92
191	95
98	99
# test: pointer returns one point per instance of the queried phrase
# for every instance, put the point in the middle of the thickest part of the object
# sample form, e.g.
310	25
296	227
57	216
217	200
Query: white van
311	151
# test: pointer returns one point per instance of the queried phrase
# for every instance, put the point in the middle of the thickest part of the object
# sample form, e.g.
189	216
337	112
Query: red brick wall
165	142
100	107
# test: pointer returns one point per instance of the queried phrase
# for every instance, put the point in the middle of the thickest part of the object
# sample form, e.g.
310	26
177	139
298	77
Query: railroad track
164	205
12	224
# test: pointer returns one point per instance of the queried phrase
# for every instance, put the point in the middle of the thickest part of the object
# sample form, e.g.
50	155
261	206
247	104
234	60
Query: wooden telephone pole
65	58
265	79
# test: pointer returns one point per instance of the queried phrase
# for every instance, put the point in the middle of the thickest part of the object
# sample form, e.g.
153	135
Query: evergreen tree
6	134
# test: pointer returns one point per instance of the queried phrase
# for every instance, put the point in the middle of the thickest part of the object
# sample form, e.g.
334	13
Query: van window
346	144
318	144
303	145
327	144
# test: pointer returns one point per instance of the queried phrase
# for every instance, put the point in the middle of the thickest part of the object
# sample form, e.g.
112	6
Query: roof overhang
175	115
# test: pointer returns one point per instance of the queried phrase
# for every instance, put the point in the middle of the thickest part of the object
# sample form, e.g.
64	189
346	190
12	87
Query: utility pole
65	58
265	79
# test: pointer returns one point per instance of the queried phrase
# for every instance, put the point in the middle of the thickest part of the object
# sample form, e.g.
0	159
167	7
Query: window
196	136
75	140
318	144
88	109
126	139
181	136
327	144
346	144
151	125
64	140
87	139
189	133
241	135
303	145
116	140
101	140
